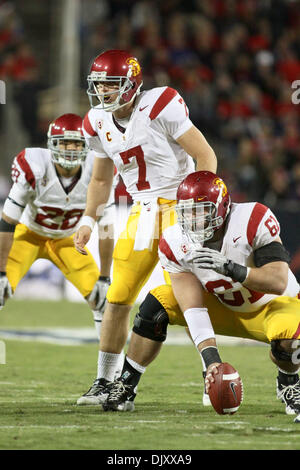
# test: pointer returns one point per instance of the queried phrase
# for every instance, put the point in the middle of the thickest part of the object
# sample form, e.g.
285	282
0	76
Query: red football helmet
114	67
67	128
203	204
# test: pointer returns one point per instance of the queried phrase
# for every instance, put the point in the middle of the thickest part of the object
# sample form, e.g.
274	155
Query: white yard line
78	336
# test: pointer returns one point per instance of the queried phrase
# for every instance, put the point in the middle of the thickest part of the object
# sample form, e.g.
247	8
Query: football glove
206	258
5	289
98	294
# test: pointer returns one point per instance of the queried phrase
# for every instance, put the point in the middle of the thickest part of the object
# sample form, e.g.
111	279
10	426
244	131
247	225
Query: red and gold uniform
152	165
234	309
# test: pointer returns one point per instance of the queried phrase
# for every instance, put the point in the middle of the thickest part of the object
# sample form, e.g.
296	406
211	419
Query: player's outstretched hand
81	238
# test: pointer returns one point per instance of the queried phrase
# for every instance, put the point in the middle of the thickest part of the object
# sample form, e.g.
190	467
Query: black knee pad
279	353
152	320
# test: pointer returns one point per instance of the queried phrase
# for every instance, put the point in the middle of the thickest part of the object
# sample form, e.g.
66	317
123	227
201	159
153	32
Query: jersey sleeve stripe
14	202
26	168
88	127
256	216
166	250
162	102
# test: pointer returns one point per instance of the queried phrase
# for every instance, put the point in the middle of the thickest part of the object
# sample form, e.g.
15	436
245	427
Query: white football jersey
250	226
147	156
40	199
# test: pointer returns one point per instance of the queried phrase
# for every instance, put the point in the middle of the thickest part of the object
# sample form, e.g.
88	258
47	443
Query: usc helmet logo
221	185
134	66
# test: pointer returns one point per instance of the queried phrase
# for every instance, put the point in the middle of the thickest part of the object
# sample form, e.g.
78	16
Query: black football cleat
97	394
290	396
120	397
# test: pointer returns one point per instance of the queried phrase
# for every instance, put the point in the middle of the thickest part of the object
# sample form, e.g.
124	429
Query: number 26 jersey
38	199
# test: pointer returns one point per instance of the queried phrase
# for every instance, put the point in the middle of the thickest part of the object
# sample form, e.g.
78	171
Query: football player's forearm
271	278
97	197
106	247
196	145
206	159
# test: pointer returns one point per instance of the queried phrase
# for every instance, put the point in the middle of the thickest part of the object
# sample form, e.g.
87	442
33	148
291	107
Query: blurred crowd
19	68
233	61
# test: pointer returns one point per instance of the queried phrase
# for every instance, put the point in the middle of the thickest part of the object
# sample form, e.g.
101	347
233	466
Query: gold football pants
131	268
81	271
279	319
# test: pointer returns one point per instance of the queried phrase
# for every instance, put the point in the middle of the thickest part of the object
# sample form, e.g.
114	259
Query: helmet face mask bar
119	75
197	220
64	130
102	100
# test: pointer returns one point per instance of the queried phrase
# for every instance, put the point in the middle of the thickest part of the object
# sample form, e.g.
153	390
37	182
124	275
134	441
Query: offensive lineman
42	210
230	276
149	137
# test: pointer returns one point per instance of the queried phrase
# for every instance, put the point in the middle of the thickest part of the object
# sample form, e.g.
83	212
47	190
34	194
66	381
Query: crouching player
230	276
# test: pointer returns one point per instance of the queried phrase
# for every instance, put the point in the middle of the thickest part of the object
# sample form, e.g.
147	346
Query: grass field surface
40	383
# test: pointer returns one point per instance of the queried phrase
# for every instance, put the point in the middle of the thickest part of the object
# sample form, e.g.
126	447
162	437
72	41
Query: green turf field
40	383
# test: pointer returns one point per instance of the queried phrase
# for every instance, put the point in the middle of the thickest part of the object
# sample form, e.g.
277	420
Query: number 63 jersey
146	154
39	200
249	227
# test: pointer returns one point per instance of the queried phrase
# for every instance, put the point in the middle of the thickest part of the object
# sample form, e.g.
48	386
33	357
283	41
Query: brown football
226	392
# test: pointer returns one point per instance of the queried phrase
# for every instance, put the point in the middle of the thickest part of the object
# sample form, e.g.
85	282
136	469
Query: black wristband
210	355
104	278
236	271
2	273
6	227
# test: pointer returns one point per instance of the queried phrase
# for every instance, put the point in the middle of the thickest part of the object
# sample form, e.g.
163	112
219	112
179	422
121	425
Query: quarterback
152	142
230	276
42	210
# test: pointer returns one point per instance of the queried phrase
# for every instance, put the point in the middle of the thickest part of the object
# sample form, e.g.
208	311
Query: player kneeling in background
42	211
230	276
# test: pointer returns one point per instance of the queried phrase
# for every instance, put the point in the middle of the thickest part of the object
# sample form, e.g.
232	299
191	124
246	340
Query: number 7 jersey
152	164
249	227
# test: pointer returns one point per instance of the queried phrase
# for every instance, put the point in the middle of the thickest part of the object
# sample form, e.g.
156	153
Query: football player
42	210
230	276
149	137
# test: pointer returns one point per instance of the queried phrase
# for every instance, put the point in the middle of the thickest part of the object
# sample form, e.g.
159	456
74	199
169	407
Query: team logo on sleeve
15	173
99	123
134	66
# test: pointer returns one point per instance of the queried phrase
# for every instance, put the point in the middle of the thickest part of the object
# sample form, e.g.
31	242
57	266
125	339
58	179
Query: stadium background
233	61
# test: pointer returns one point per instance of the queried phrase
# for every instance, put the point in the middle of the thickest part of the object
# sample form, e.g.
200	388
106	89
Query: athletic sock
107	365
132	372
287	378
